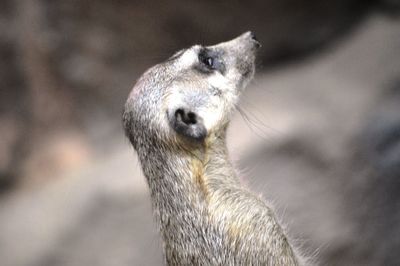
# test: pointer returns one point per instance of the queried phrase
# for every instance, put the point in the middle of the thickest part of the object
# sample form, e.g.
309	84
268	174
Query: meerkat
176	118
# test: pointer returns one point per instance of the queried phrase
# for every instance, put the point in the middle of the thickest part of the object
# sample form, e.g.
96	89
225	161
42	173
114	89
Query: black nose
254	38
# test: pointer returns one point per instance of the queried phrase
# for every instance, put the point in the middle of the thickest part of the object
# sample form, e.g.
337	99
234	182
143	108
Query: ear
188	124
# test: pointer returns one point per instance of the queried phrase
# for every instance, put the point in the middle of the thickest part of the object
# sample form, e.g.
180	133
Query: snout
252	36
240	54
244	42
247	39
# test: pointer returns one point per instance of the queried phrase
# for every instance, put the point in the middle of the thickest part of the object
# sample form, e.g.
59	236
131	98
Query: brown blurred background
319	136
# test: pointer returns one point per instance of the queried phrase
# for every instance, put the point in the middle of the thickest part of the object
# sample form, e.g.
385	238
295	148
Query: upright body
176	118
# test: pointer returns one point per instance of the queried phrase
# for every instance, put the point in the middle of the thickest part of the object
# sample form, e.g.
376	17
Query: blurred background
319	135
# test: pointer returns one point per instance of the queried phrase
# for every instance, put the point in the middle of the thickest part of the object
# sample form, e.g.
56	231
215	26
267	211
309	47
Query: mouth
249	40
253	37
248	73
246	66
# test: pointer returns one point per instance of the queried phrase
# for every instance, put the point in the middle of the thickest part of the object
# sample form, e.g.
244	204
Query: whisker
258	127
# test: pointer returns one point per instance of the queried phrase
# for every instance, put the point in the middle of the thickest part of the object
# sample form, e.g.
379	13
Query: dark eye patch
209	61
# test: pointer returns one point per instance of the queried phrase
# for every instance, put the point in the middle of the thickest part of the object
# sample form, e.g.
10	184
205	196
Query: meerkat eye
209	61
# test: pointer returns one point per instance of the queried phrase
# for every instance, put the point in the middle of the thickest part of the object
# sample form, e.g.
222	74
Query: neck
181	181
181	178
203	213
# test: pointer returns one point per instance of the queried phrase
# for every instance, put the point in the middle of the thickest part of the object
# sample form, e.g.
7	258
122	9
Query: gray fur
205	216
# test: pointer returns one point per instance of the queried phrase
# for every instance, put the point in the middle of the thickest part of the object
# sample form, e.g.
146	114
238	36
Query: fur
205	216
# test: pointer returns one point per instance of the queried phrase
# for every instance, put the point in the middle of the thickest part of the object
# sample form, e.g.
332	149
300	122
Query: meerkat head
191	95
